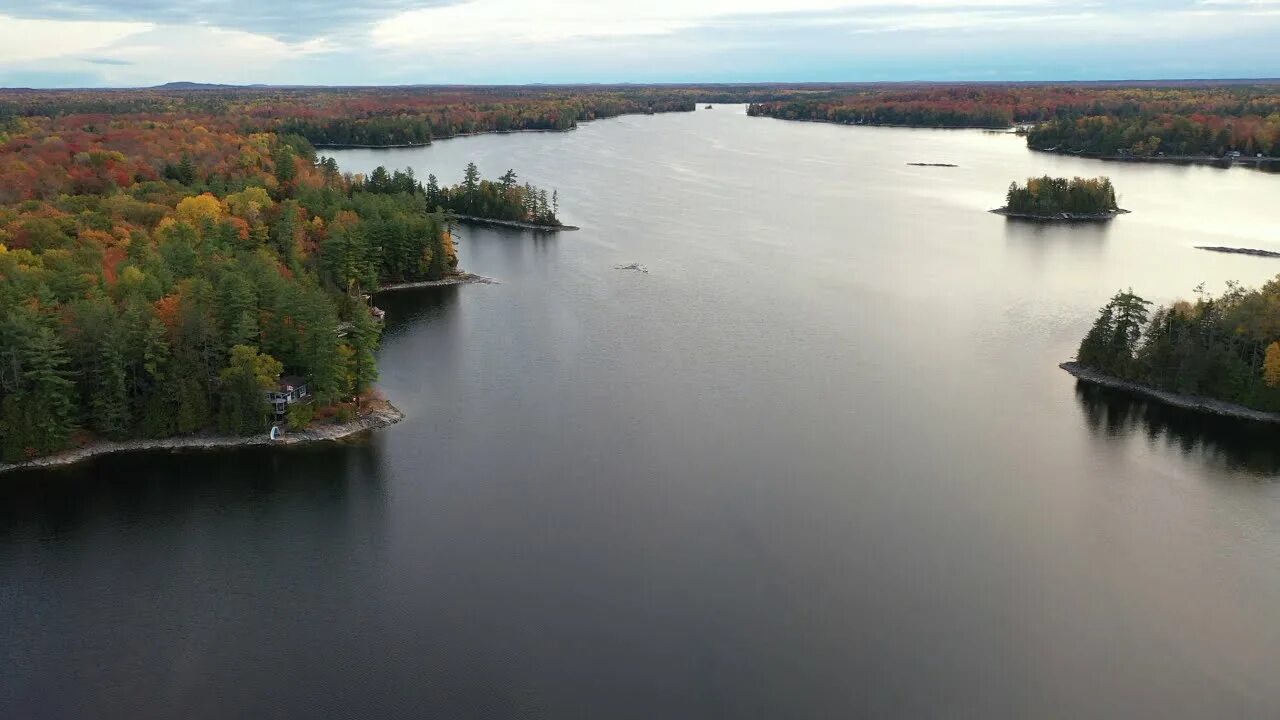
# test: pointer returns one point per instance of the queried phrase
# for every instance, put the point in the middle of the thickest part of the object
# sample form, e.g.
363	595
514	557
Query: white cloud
26	40
211	55
522	21
514	41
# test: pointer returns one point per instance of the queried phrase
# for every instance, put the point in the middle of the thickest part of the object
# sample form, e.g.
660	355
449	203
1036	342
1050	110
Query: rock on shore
458	279
1187	402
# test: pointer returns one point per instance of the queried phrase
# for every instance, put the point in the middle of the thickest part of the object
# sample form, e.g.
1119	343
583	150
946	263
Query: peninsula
1219	355
376	414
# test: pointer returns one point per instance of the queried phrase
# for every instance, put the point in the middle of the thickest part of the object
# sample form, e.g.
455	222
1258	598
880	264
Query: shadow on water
1235	444
407	309
329	479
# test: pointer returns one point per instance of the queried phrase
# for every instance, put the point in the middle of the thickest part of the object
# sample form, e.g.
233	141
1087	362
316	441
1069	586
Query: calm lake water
818	461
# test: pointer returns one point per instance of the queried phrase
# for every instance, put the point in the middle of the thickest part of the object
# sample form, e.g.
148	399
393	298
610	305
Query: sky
128	43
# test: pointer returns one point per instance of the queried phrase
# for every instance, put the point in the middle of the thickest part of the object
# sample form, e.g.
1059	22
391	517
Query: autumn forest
167	254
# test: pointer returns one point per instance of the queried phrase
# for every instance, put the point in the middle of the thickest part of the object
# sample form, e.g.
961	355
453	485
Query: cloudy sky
84	43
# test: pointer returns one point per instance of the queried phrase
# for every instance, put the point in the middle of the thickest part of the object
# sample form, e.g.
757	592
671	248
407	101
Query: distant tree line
1152	135
1103	119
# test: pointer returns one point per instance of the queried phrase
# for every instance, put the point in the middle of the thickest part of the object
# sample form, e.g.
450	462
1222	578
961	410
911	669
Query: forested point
1226	348
1140	122
1049	197
501	199
158	278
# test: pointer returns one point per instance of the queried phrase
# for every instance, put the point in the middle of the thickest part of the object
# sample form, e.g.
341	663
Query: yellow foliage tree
199	208
249	203
1271	365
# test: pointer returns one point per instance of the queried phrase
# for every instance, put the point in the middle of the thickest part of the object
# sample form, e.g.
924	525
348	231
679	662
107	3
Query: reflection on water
818	463
175	487
1228	442
412	307
1039	235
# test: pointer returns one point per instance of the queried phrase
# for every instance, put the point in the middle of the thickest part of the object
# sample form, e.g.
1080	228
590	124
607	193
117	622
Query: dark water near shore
818	462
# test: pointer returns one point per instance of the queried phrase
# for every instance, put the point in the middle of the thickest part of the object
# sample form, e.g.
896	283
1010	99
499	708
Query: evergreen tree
249	375
110	394
363	340
38	415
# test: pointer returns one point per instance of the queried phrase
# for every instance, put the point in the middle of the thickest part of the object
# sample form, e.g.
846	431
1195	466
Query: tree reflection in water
1235	444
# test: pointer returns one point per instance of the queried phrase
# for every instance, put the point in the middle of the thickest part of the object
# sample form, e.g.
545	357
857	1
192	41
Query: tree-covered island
1049	198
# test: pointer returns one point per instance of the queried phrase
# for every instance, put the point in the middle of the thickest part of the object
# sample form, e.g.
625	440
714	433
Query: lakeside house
290	389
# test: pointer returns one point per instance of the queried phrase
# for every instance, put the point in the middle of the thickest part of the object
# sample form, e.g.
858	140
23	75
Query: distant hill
183	85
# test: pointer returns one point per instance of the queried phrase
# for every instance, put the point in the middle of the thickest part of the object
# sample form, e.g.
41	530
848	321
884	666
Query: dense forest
1103	120
1226	347
1050	196
501	199
167	254
352	116
156	277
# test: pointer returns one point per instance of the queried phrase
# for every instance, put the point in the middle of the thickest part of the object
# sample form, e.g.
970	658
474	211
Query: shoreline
517	224
576	125
1224	162
401	146
1062	216
384	414
465	278
1173	399
1239	251
1001	128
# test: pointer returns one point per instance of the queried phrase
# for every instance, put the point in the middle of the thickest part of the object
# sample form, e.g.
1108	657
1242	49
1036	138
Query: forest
1106	120
157	276
166	254
1050	196
353	116
1225	347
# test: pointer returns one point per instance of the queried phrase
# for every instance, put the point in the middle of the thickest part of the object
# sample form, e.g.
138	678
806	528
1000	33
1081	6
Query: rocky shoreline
512	224
459	279
380	414
1176	159
1178	400
1061	217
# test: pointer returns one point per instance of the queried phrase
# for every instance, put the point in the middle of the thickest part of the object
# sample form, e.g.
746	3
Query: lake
818	461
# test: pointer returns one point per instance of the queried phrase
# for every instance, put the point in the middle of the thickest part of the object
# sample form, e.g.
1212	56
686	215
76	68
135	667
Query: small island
1049	198
1239	251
